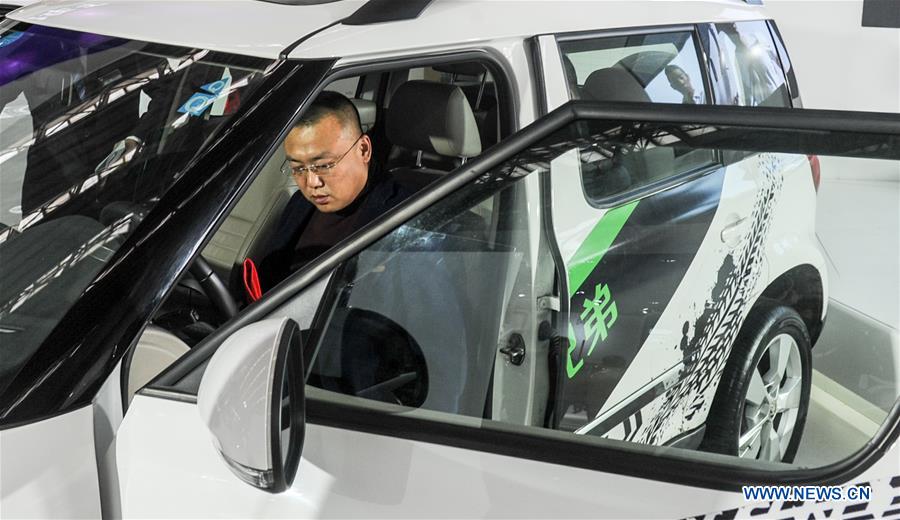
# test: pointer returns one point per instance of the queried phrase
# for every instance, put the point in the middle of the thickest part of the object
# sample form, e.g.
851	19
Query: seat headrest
614	84
433	117
367	112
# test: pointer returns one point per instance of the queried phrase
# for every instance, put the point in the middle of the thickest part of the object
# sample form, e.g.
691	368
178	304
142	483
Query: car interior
424	122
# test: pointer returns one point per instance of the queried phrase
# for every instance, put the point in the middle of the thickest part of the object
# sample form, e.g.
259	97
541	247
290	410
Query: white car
606	287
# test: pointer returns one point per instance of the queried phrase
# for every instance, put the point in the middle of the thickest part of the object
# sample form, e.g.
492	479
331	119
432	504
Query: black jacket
383	194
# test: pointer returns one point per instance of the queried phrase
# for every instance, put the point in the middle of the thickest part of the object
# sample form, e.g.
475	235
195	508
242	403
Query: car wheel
760	406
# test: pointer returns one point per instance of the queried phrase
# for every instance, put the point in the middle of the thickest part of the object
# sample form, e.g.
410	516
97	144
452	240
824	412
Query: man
329	158
681	82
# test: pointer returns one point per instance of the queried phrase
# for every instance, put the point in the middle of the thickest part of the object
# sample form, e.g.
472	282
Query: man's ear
366	148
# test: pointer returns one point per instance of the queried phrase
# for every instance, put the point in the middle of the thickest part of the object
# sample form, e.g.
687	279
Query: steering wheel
214	288
200	269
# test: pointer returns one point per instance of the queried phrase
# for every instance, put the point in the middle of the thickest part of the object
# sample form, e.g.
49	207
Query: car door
649	236
395	435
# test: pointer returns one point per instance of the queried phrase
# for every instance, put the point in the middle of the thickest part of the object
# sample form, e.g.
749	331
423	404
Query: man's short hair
330	103
673	69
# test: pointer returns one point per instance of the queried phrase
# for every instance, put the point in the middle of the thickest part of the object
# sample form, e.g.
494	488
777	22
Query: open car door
655	297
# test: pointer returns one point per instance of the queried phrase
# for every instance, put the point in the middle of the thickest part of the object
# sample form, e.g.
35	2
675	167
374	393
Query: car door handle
733	233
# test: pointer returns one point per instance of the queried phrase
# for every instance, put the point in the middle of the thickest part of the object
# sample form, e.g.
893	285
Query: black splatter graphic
717	326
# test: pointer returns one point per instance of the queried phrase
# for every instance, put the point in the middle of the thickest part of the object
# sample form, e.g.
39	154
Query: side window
415	319
346	86
786	65
652	68
658	68
745	66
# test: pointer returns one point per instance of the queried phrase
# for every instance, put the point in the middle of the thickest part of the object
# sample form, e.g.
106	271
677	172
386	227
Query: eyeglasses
319	170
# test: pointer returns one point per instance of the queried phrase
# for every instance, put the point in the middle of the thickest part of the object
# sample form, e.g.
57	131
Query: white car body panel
556	89
344	474
265	29
108	415
48	468
447	22
348	474
252	28
509	403
794	241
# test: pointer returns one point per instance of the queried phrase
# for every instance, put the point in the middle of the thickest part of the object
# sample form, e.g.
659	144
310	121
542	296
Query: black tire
726	421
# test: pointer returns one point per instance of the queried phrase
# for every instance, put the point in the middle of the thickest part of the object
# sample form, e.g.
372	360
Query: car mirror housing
252	400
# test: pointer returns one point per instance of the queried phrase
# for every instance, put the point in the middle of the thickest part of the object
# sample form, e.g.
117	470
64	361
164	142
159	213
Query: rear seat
614	84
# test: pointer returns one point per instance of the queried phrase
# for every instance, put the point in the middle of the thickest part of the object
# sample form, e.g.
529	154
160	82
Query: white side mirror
252	400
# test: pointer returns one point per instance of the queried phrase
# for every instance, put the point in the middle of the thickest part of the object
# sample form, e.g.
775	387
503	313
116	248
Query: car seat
476	83
630	167
434	118
614	84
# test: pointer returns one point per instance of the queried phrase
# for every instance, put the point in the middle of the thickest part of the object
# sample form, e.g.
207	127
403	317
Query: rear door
648	235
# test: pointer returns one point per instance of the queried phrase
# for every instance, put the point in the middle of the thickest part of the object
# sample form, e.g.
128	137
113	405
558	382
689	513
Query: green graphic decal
595	316
598	316
596	244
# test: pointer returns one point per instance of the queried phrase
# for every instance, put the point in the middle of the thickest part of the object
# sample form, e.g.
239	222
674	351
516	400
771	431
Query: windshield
93	131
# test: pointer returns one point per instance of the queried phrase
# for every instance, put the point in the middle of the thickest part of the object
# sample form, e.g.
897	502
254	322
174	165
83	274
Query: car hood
248	27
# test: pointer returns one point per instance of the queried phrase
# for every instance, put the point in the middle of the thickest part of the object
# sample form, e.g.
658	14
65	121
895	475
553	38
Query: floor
856	361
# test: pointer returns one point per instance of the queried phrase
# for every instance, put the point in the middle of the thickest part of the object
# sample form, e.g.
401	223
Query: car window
786	66
445	314
447	278
95	130
745	66
346	86
658	67
651	68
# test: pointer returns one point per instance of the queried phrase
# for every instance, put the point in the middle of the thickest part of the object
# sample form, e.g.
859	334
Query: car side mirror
252	400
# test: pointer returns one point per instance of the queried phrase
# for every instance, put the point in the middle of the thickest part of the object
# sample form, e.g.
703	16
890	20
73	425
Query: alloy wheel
772	404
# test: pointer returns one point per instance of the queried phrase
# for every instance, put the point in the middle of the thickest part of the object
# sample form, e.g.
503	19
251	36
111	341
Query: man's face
324	143
679	81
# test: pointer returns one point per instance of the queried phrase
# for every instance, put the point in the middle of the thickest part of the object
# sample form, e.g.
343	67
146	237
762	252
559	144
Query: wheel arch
802	289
